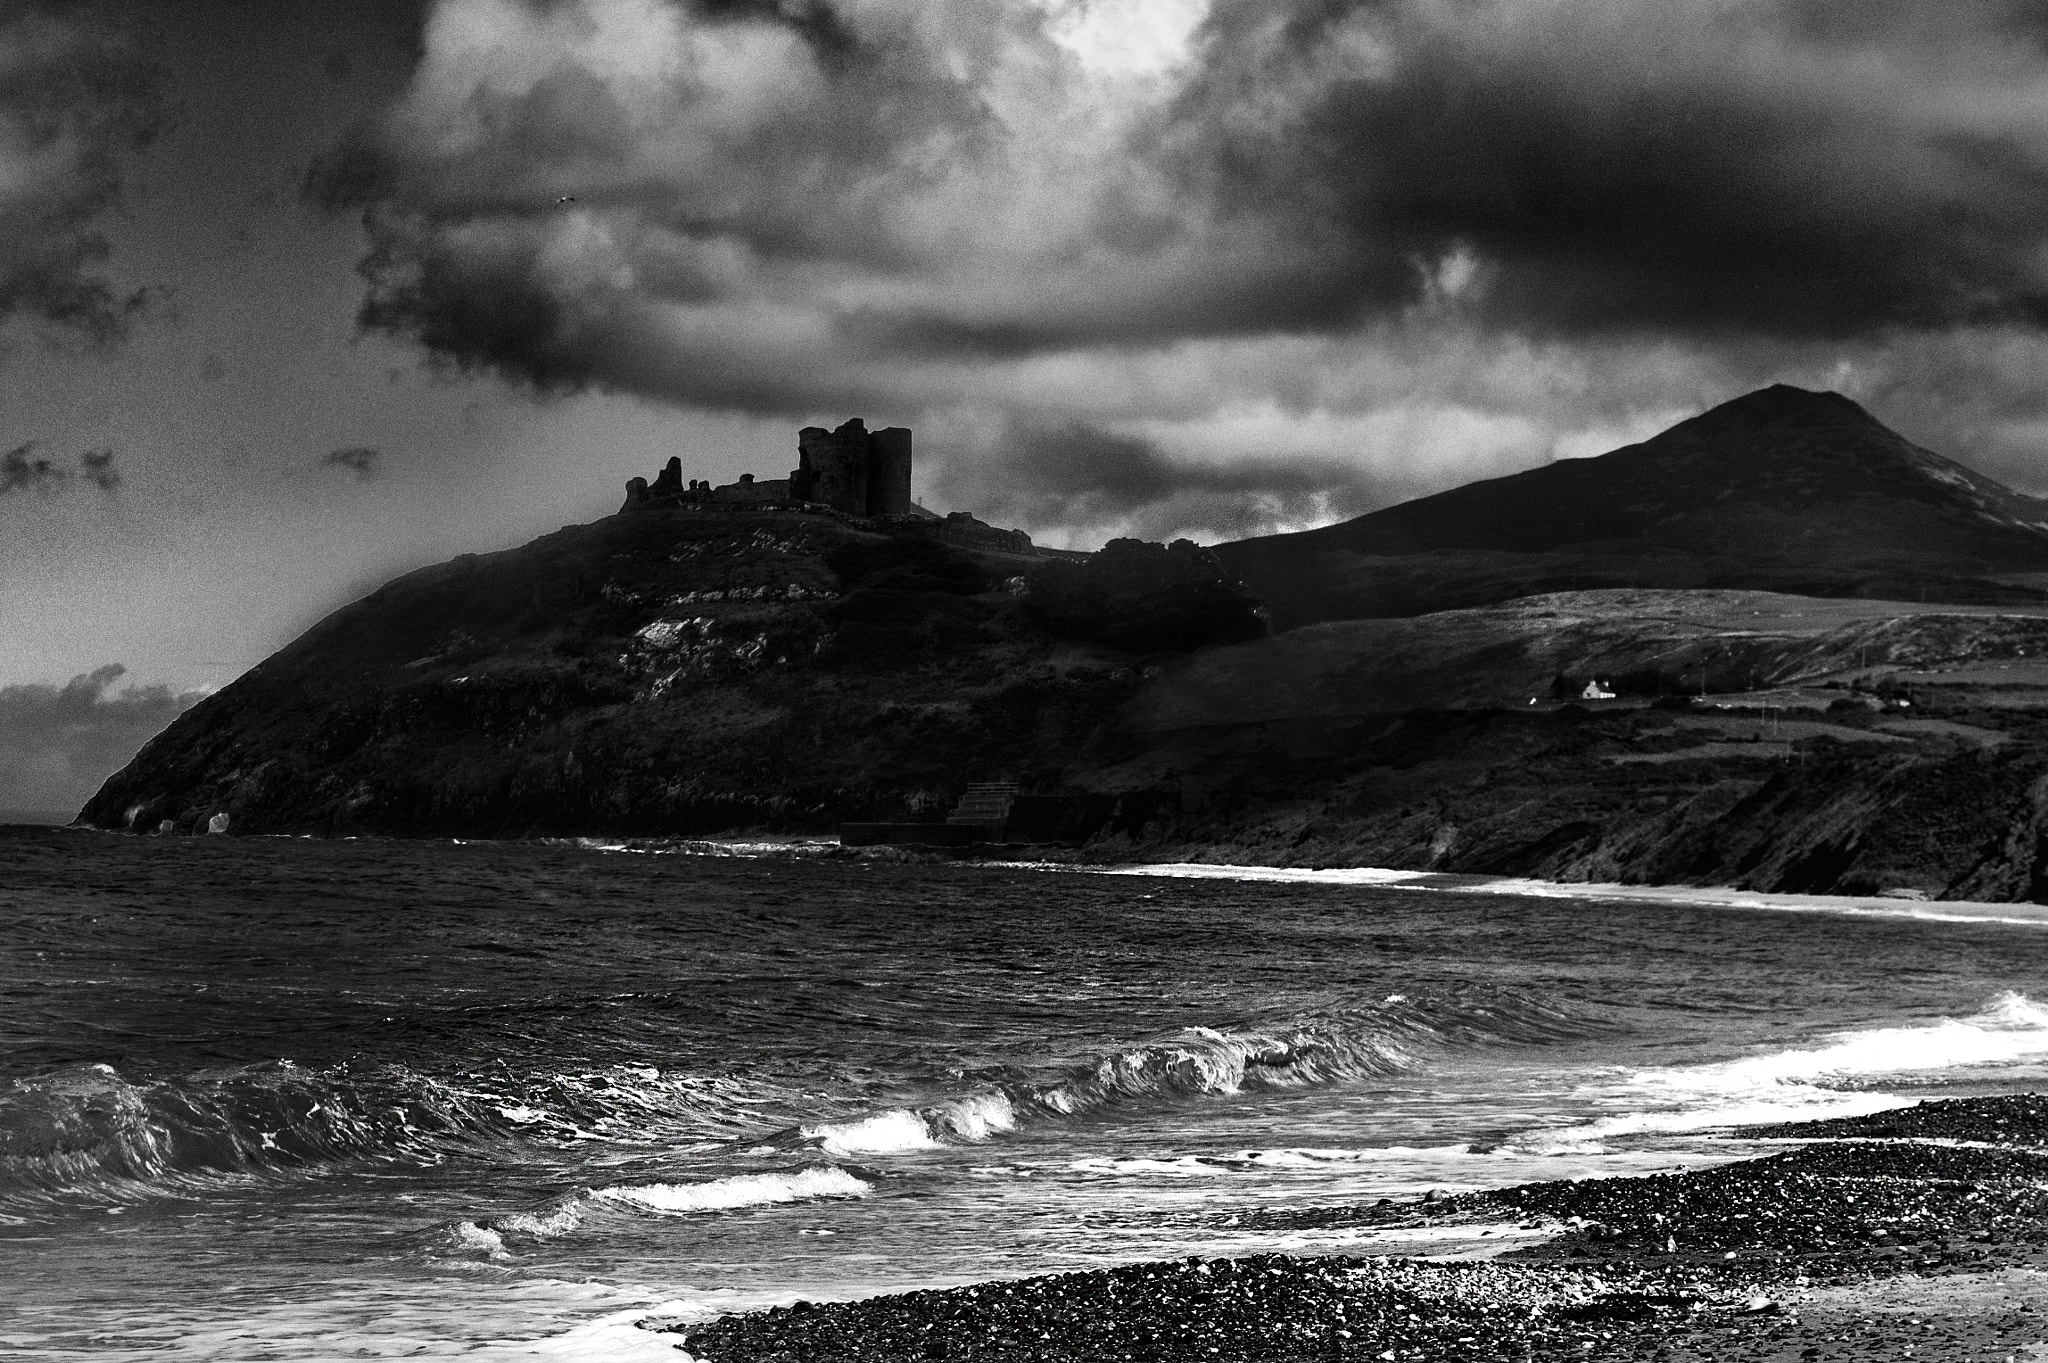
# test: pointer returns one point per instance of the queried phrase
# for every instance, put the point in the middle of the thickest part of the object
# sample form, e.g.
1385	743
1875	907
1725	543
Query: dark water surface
296	1099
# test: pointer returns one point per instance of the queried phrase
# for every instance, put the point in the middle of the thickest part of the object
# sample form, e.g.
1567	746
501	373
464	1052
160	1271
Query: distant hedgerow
1144	598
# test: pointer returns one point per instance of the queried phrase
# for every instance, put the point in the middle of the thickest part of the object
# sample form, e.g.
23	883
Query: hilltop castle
852	469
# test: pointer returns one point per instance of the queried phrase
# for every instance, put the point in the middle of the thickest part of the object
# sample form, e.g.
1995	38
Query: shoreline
1922	1229
2018	913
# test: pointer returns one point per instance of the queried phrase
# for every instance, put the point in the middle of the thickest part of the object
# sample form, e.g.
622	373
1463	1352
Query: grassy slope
1411	744
1781	490
523	692
514	693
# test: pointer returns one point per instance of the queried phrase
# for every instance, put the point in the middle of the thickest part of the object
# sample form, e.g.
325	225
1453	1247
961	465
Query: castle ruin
851	470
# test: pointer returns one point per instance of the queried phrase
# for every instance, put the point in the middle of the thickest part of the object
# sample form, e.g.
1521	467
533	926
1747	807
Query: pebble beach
1919	1233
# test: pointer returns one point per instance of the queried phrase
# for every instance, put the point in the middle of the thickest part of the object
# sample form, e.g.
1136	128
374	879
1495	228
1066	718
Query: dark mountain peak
1779	424
1782	404
1783	448
1784	458
1780	489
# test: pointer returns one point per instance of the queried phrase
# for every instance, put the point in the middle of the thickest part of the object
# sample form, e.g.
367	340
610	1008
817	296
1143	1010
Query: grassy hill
1782	490
1828	648
1842	746
661	672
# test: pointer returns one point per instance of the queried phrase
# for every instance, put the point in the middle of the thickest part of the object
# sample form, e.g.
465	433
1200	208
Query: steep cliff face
658	673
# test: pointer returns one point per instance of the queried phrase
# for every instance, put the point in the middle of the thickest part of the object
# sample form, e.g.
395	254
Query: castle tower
889	472
854	470
832	467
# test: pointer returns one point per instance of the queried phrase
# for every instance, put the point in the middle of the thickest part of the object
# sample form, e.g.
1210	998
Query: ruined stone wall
750	489
851	470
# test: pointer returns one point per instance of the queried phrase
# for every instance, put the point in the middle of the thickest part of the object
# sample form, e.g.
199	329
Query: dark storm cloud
1199	299
786	170
22	470
75	98
789	205
1321	254
773	135
1079	474
818	21
361	460
97	468
58	743
1801	170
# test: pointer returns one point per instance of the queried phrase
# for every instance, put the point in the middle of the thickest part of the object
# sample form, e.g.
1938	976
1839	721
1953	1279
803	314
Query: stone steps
985	803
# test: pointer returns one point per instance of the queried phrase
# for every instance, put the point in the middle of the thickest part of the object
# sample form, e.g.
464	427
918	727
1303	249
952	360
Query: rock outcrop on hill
1766	718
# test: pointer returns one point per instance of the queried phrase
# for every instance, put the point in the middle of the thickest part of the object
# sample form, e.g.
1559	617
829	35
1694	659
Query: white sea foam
1197	870
977	1116
623	1335
885	1133
1303	1157
468	1235
740	1190
1196	1060
559	1219
1805	1084
617	1337
1951	911
1203	1060
1238	1161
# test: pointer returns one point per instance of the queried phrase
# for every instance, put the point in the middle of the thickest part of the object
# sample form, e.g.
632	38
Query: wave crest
1393	1036
739	1190
90	1132
1835	1079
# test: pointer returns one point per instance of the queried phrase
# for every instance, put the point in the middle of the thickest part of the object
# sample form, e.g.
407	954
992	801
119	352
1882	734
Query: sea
269	1098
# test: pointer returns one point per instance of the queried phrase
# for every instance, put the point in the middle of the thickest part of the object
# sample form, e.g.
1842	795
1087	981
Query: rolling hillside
1782	490
1828	653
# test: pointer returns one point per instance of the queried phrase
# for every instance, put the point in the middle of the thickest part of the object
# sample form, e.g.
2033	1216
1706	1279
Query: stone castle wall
851	469
832	467
855	470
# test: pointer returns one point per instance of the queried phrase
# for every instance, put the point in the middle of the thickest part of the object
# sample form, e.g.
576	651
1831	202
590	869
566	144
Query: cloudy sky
295	294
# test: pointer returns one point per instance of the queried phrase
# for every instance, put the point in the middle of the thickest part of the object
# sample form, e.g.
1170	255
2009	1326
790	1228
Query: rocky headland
1777	647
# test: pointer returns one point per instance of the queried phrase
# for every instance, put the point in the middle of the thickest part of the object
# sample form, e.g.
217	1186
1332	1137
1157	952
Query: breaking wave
90	1132
1396	1036
1837	1079
740	1190
737	1192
